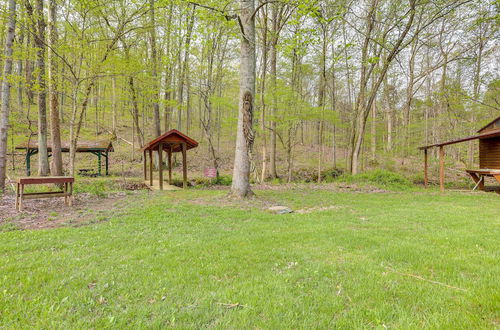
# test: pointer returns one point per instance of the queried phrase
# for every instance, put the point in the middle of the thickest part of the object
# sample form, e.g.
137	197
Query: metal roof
82	146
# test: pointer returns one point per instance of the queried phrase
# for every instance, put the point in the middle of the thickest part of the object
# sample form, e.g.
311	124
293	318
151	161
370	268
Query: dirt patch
51	213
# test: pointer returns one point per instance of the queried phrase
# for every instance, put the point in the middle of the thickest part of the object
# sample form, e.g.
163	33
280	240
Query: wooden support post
441	168
65	193
151	167
160	164
70	198
107	163
21	193
17	197
184	165
145	166
28	163
426	178
170	164
99	162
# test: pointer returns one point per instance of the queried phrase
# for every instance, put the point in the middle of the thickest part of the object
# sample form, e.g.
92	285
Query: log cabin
489	155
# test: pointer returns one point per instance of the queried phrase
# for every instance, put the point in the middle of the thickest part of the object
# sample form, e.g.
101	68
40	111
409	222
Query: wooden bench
65	181
478	176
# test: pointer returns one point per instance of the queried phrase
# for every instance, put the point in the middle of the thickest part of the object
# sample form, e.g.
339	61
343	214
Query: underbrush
379	178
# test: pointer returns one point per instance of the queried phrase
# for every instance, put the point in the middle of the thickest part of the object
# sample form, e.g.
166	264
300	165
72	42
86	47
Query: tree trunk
154	71
273	71
5	92
262	96
43	159
55	131
245	136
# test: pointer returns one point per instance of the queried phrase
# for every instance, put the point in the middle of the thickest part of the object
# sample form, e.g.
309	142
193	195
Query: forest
333	84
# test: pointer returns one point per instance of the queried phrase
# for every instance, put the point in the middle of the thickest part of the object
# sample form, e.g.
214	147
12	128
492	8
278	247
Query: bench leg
17	196
66	193
21	192
478	180
70	197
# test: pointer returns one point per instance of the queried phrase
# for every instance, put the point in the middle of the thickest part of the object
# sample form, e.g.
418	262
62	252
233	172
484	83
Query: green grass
169	262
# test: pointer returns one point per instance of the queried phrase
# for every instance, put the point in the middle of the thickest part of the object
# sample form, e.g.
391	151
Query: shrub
382	178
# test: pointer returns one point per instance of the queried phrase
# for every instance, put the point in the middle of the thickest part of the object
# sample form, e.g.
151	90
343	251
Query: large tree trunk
43	159
244	137
262	96
55	131
183	68
154	71
274	104
5	92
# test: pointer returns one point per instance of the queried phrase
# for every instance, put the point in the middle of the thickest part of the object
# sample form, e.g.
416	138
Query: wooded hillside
320	83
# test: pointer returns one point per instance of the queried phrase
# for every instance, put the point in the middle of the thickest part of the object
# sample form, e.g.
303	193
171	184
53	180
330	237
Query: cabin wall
489	153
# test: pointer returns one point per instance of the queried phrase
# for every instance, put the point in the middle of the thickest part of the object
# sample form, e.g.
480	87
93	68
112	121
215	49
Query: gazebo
98	148
169	142
489	155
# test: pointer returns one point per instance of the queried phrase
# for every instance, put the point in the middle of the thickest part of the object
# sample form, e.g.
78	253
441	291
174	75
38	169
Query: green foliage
224	180
381	178
97	187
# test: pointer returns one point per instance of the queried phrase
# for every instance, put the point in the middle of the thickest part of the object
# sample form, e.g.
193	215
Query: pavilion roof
172	138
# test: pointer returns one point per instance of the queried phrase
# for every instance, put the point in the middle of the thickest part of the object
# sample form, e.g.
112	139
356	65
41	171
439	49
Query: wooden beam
170	164
145	166
107	163
426	178
441	168
184	165
150	167
160	165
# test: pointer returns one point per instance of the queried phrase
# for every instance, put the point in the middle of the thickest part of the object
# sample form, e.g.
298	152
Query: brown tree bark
55	131
244	137
5	92
43	159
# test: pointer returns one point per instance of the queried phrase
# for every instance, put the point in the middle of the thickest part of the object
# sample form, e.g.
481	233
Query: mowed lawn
349	260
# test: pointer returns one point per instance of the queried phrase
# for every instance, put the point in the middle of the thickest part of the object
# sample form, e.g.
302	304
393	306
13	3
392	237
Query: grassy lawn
401	260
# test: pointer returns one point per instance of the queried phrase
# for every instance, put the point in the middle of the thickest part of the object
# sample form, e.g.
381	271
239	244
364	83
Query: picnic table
478	176
66	192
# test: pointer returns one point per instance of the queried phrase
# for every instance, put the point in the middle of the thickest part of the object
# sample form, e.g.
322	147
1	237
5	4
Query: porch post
169	164
441	168
145	166
151	167
184	165
160	165
426	178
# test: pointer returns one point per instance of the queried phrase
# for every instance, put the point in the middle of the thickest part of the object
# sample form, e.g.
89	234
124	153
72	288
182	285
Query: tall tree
245	135
5	92
55	131
43	157
154	69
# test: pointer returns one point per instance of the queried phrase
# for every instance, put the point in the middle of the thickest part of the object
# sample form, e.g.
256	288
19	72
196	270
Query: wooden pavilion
489	155
99	148
170	142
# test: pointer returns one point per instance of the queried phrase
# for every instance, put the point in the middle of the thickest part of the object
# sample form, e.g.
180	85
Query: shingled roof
172	138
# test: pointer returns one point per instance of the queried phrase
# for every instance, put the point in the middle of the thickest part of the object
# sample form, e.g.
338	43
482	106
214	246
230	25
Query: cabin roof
490	123
172	138
82	146
486	135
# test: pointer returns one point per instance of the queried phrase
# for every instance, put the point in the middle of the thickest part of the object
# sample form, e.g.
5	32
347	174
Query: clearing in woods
189	259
